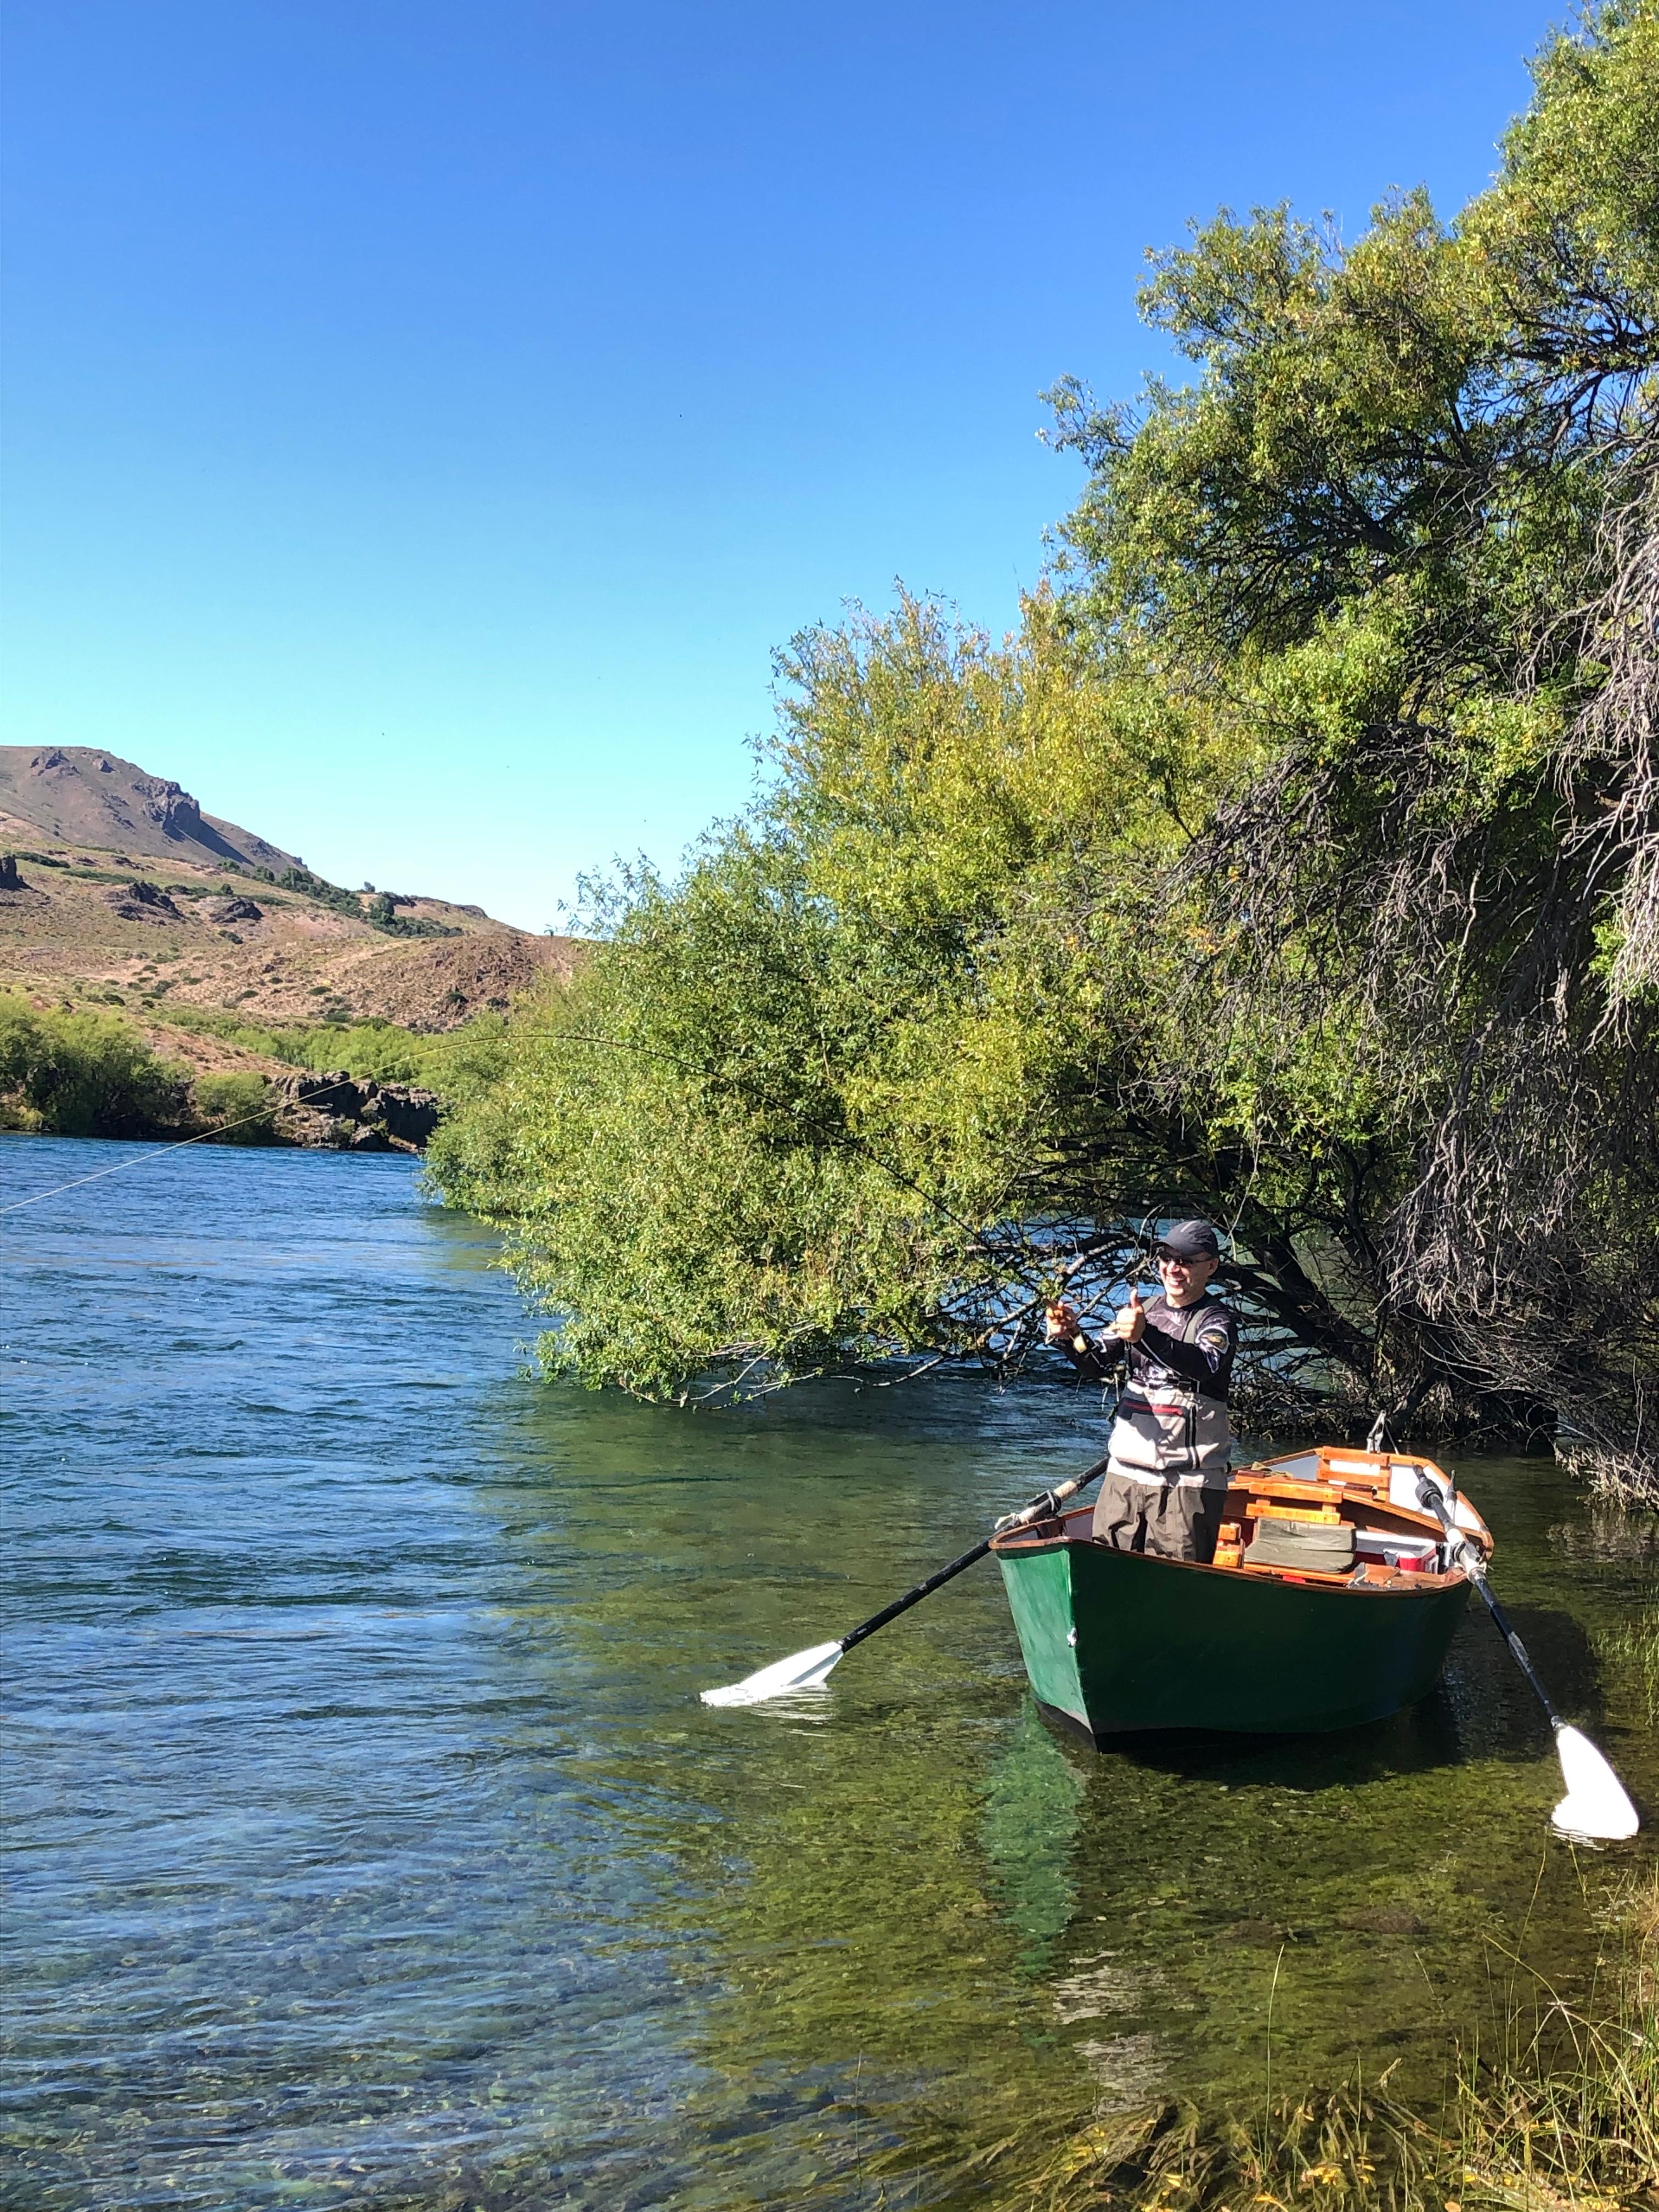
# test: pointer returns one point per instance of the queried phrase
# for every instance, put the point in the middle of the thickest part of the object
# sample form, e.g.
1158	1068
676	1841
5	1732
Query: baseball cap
1190	1240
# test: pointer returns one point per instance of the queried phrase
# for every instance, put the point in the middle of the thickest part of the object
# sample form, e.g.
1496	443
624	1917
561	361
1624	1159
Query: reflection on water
370	1844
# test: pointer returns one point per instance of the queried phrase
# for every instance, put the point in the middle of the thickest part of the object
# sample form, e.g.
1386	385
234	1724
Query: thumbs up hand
1060	1325
1130	1323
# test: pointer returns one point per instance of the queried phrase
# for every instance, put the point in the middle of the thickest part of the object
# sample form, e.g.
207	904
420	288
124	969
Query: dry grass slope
126	895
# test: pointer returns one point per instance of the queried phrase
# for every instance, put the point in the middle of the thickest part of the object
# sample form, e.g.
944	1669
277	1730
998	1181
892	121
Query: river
369	1845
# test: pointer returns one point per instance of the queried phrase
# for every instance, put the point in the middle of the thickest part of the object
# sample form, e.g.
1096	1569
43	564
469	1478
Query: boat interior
1330	1514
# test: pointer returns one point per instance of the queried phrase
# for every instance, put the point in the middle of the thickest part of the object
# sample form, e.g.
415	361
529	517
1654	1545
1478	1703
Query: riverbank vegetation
459	1064
82	1074
87	1072
1294	863
1557	2108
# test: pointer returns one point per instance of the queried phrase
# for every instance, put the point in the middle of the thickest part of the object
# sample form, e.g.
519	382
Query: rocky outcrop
222	911
140	902
83	795
10	879
335	1111
409	1117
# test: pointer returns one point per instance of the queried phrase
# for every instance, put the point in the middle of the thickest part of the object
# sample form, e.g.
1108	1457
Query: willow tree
1403	530
1296	862
811	1104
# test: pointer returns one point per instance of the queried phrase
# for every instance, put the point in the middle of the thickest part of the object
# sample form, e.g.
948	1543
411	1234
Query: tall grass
1635	1651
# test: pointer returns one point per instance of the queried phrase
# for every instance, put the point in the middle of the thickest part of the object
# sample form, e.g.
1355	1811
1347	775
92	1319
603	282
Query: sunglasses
1180	1259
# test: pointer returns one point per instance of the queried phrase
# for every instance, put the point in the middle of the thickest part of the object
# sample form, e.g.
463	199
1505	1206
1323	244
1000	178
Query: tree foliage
82	1074
1297	862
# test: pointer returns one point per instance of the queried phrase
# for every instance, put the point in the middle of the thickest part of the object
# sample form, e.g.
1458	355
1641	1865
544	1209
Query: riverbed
369	1845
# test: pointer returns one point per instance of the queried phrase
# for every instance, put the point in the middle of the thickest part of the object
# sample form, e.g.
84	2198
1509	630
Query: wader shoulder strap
1186	1320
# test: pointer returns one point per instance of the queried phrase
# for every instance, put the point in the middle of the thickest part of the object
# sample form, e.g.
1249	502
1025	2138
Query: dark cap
1190	1240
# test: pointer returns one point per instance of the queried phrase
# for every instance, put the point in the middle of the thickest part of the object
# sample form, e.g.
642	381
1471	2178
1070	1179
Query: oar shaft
1429	1495
1048	1502
914	1597
1517	1649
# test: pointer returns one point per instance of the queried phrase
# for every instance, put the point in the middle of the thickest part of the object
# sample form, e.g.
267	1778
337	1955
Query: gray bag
1321	1547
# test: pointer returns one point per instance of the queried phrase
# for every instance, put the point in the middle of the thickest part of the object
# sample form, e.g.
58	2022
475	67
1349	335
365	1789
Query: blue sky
422	421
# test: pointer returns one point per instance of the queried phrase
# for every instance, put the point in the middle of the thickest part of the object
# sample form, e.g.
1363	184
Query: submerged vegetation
1562	2111
1295	863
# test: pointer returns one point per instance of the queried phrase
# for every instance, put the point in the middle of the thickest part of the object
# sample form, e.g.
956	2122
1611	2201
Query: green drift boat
1115	1643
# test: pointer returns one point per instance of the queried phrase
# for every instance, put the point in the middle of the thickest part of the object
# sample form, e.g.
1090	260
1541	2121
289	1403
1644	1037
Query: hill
120	891
78	795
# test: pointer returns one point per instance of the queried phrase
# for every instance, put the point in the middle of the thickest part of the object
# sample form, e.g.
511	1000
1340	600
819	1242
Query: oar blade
1596	1805
802	1670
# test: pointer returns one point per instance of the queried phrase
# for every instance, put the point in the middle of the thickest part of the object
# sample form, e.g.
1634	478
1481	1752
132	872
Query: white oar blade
802	1670
1596	1805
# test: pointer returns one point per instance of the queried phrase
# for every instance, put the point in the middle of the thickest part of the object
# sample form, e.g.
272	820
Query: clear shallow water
369	1844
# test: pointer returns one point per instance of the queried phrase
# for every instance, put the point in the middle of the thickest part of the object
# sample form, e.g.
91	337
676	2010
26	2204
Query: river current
369	1844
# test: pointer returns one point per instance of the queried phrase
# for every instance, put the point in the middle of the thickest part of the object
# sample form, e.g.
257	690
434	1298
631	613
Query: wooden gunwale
1380	1581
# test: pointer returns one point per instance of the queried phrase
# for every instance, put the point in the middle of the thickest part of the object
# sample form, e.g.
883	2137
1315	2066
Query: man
1171	1443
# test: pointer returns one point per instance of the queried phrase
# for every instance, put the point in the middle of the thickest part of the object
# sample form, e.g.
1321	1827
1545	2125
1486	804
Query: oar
1596	1805
806	1670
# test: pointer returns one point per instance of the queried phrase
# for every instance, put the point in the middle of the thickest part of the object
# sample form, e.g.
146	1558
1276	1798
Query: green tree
1403	530
1295	863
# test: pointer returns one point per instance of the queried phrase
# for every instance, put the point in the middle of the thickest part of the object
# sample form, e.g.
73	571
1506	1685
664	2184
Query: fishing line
841	1138
138	1159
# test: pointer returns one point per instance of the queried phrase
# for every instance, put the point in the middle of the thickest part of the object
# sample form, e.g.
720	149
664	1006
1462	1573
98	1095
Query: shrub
82	1074
234	1100
460	1063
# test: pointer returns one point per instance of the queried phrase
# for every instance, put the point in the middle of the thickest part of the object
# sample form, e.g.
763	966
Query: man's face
1183	1280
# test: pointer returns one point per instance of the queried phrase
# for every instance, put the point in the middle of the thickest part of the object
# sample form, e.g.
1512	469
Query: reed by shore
1550	2106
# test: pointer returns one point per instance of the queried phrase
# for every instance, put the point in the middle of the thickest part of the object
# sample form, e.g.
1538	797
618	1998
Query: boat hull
1116	1643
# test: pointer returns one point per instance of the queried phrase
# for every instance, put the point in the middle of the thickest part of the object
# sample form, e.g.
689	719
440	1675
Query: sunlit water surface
368	1843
